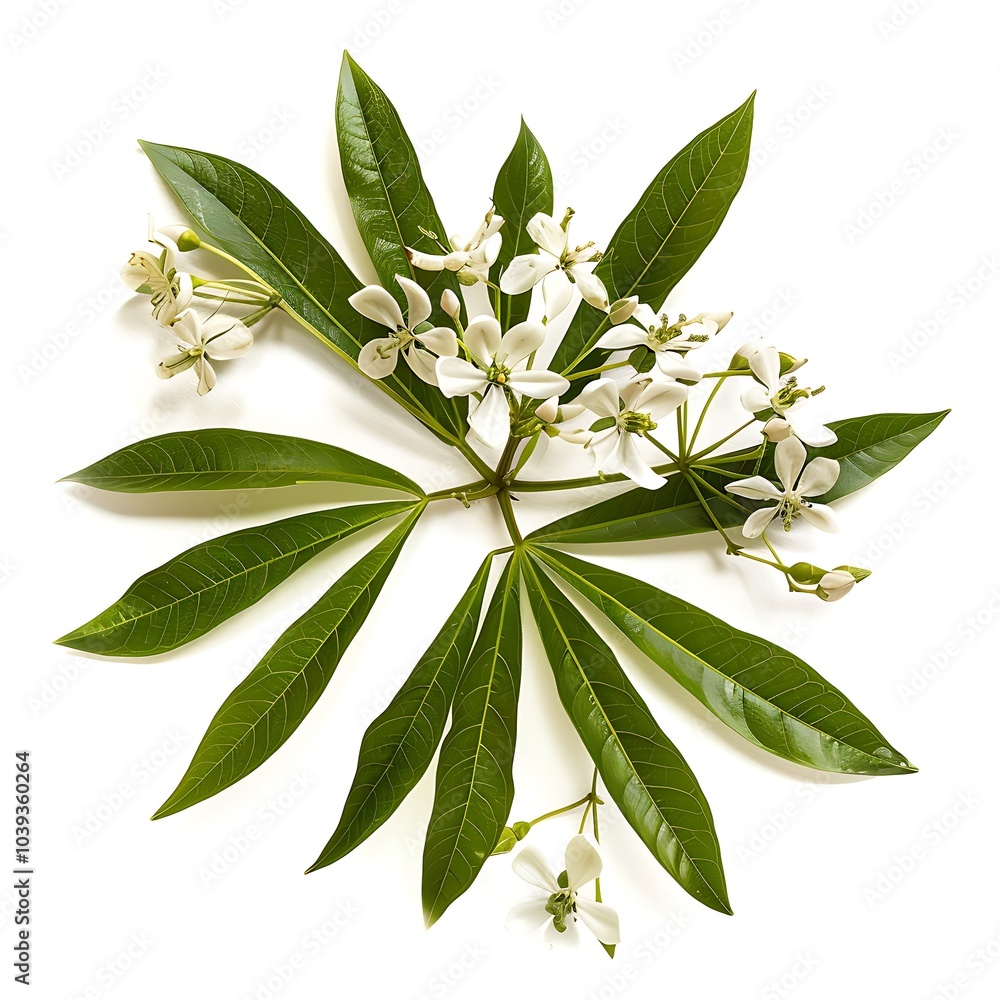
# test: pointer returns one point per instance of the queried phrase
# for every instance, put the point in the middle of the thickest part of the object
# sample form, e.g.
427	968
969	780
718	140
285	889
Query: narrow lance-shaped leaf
765	693
523	188
250	219
866	447
474	783
398	746
643	771
661	238
209	583
391	202
224	458
267	706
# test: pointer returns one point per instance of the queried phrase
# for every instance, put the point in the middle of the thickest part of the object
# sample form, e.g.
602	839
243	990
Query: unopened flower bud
835	585
450	303
549	410
186	239
719	319
622	309
777	429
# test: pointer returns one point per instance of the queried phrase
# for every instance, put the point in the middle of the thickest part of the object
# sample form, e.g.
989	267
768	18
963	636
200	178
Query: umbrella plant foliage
623	385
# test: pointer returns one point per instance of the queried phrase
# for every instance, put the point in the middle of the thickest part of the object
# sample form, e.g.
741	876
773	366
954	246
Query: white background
863	888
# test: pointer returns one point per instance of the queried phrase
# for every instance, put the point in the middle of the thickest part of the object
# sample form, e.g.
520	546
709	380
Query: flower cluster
199	340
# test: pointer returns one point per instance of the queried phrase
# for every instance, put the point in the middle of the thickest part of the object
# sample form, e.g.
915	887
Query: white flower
557	267
472	257
835	584
170	290
377	359
668	340
219	338
497	370
642	403
563	904
783	396
796	484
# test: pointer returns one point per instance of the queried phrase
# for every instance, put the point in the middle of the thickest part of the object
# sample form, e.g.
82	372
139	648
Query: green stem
503	498
564	809
597	371
704	410
551	485
722	441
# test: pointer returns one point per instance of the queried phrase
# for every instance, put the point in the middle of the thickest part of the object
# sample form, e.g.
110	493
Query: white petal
187	328
755	399
520	342
621	337
547	233
671	364
489	251
530	864
600	919
524	272
549	410
634	466
426	261
603	445
809	429
527	917
660	398
457	260
557	290
646	317
600	397
138	269
418	303
777	429
836	584
491	418
583	863
538	384
441	341
206	376
789	457
765	363
457	377
820	516
818	477
756	488
376	304
225	338
758	521
422	363
373	364
482	337
592	289
185	290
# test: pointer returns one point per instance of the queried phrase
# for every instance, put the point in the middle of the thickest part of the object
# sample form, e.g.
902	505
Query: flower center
636	423
498	373
561	905
402	338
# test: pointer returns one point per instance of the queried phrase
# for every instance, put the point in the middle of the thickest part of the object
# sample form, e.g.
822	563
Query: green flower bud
521	830
806	573
508	840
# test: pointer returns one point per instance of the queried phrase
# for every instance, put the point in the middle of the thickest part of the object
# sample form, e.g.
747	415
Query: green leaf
643	771
866	447
768	695
386	187
202	587
474	783
522	189
398	746
226	459
266	707
675	219
250	219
